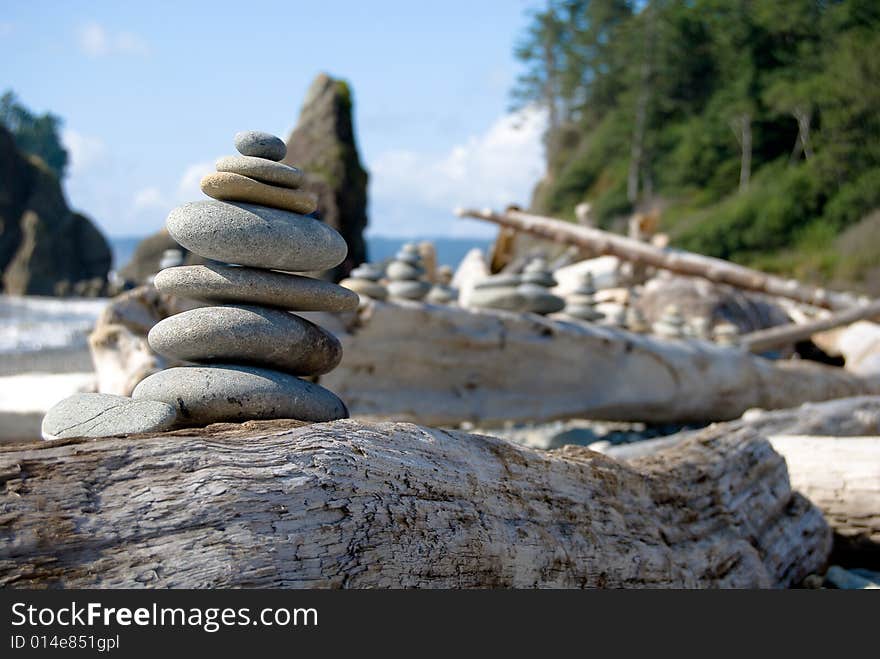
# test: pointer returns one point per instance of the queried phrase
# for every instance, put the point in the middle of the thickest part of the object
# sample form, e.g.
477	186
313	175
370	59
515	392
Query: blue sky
152	93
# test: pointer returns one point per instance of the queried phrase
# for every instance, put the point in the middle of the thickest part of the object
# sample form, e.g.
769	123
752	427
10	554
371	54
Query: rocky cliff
45	247
323	144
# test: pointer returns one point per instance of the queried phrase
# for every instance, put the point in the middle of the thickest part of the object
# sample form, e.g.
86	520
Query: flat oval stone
252	235
496	297
209	394
247	335
216	282
538	299
227	186
411	289
260	145
400	270
260	169
499	281
105	415
366	287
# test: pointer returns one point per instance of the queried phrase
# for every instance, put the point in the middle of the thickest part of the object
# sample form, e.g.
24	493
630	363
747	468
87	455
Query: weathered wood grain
356	505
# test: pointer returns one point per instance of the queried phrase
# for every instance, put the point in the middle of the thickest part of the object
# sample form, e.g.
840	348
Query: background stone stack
535	289
581	302
442	292
365	281
405	275
250	350
671	324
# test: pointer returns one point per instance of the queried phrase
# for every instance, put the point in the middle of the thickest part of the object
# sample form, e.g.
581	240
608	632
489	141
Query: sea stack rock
405	275
671	324
535	289
442	292
581	303
249	350
364	280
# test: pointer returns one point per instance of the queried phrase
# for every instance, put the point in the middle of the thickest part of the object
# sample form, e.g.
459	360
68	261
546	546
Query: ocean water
450	251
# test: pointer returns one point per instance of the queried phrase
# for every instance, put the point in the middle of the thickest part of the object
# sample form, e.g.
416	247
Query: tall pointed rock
323	145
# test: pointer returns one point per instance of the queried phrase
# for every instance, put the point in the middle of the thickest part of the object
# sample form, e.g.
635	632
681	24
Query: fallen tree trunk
783	335
831	460
680	262
444	365
347	504
840	475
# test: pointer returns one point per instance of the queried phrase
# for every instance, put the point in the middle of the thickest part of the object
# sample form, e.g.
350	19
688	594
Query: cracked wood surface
439	365
348	504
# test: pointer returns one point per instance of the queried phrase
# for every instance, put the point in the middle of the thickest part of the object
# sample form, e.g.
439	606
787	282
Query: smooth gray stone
247	234
365	271
260	145
247	335
538	299
582	312
366	287
260	169
544	279
216	282
411	289
499	281
226	392
408	257
104	415
440	294
398	271
497	297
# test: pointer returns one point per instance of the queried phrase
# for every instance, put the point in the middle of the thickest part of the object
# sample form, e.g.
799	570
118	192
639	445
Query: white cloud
97	41
150	197
498	167
84	150
188	187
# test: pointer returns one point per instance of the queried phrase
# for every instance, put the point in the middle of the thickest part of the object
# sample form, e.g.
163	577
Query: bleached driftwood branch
680	262
347	504
783	335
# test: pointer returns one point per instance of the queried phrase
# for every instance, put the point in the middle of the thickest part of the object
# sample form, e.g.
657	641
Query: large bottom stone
247	335
104	415
413	289
228	284
209	394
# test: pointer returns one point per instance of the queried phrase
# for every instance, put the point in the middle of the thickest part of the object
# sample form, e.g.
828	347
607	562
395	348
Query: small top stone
260	145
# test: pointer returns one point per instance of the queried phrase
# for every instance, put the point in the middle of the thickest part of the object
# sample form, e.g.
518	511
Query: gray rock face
227	284
247	335
209	394
323	144
257	236
103	415
260	145
260	169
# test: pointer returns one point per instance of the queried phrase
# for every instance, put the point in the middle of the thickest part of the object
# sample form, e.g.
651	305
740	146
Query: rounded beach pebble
260	145
210	394
105	415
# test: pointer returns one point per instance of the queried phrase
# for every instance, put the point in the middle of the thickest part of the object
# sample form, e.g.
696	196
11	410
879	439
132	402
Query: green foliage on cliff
753	124
36	135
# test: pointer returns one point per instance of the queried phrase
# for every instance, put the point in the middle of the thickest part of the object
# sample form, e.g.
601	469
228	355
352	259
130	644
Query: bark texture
347	504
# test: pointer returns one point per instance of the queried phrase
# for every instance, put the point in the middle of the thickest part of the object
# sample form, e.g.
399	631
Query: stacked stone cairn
581	302
365	281
700	328
671	324
249	351
442	292
405	275
535	289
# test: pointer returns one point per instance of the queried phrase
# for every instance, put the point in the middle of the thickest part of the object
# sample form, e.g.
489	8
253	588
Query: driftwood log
443	365
833	455
347	504
677	261
783	335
